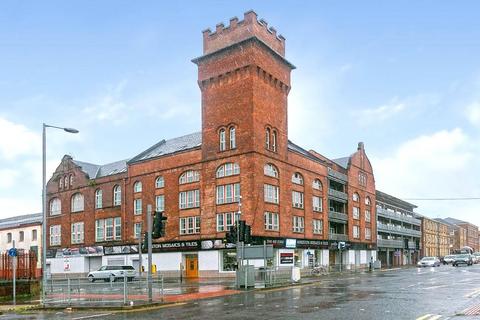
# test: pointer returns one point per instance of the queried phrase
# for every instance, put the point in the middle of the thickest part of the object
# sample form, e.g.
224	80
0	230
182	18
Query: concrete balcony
388	243
338	237
398	230
338	216
337	175
338	194
398	216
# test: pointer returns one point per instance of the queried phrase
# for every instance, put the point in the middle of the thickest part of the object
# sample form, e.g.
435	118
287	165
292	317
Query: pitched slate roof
342	162
95	171
164	147
18	221
454	221
295	147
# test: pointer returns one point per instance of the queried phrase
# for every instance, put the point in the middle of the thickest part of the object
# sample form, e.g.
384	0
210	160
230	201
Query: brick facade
244	79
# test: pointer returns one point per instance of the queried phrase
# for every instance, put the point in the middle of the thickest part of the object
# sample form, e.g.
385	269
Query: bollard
124	289
161	288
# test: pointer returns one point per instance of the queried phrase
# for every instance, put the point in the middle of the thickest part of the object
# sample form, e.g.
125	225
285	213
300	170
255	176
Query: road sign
12	252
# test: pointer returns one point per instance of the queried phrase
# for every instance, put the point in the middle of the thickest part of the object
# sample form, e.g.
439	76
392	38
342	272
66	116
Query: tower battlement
238	31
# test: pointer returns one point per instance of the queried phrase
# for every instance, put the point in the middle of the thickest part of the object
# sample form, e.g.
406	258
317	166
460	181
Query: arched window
270	170
117	195
189	176
55	206
297	178
71	180
222	139
317	184
66	182
137	186
77	202
267	139
367	201
274	141
98	199
355	197
60	183
228	169
233	143
159	182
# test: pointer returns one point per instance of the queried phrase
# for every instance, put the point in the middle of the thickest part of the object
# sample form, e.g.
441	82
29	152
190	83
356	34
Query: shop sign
120	249
286	257
75	252
291	243
312	244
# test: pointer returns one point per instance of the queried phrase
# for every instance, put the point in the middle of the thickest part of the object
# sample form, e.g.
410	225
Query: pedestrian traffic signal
145	242
159	223
241	230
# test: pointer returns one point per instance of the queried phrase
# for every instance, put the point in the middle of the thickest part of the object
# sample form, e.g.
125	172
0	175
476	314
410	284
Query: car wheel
91	279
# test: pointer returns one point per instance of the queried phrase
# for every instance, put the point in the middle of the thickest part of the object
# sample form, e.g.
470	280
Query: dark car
462	259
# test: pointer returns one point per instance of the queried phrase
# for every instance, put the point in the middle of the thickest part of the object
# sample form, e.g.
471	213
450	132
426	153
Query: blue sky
403	77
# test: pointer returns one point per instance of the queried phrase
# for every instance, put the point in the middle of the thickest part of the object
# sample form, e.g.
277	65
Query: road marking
429	317
473	294
436	287
92	316
424	317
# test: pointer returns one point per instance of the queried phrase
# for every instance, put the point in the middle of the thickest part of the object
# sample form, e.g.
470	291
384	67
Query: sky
403	77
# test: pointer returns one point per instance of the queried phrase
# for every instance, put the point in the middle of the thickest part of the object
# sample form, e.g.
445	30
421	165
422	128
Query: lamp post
44	203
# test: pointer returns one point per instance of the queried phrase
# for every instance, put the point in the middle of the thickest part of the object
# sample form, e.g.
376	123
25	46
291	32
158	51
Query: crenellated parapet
238	31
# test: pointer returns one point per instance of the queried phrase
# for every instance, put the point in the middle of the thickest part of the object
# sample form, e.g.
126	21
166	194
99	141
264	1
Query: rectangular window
189	199
317	226
160	203
317	204
55	235
108	229
368	233
21	236
297	199
118	228
137	230
190	225
34	235
367	216
270	193
99	228
298	224
228	193
77	233
137	206
271	221
356	213
225	221
356	232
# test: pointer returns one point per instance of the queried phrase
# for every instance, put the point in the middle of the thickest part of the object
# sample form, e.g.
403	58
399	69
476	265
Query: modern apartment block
295	199
472	232
398	231
435	238
26	231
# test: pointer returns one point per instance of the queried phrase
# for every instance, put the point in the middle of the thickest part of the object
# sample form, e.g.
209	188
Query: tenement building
472	232
398	230
435	238
299	201
457	236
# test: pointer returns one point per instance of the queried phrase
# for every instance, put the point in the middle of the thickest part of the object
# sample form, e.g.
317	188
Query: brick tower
244	79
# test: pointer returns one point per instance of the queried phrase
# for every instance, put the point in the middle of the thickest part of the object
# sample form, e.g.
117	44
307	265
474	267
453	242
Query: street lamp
44	203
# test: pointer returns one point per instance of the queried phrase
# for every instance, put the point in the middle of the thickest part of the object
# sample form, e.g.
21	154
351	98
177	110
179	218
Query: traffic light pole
140	259
149	245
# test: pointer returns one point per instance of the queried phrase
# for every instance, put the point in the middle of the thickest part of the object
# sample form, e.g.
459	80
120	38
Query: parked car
448	259
476	255
429	262
462	259
112	273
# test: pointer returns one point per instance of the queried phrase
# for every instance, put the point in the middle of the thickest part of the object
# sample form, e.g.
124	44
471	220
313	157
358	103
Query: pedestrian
370	267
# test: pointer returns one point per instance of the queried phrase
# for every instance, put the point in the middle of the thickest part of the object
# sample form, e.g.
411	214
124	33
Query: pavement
438	293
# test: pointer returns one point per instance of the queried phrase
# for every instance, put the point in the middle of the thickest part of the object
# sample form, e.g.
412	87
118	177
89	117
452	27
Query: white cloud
384	111
473	113
440	165
17	140
12	206
7	178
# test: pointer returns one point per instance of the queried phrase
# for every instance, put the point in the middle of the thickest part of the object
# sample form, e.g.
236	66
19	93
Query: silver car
429	262
112	273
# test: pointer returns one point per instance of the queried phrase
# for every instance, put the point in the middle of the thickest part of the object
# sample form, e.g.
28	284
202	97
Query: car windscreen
128	268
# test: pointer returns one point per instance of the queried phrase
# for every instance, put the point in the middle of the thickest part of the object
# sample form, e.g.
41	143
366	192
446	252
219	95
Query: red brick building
98	212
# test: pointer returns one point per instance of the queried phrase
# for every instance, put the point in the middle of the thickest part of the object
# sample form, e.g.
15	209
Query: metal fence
80	292
272	277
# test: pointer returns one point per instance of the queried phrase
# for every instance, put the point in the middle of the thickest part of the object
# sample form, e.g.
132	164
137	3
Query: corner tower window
222	140
233	143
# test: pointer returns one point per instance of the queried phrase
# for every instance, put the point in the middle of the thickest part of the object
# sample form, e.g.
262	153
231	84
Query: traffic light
248	234
159	222
145	242
231	235
241	230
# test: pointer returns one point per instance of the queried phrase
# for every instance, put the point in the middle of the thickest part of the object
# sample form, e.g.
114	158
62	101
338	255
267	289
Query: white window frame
117	195
317	184
222	140
355	197
228	193
270	170
228	169
271	220
271	193
160	202
297	199
233	143
159	182
368	201
225	221
77	230
78	203
267	139
274	141
317	226
317	204
137	206
356	213
356	232
368	233
190	225
137	186
298	224
137	230
55	207
189	177
109	229
297	178
189	199
55	235
368	217
98	199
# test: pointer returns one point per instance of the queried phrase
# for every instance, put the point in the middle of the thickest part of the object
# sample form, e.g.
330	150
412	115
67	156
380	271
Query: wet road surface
422	294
